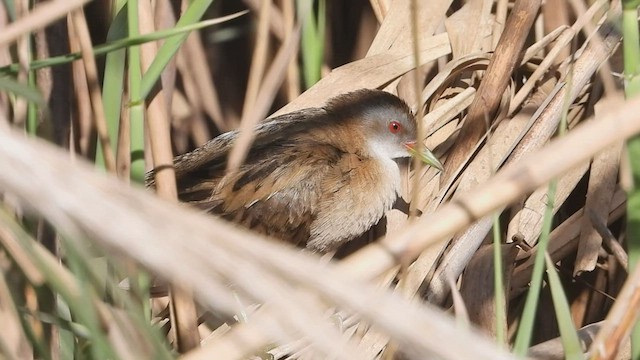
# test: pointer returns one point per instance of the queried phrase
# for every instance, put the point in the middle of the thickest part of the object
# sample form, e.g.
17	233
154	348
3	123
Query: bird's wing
213	155
276	194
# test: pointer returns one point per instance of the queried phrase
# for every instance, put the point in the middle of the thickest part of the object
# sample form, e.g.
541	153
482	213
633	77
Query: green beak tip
427	157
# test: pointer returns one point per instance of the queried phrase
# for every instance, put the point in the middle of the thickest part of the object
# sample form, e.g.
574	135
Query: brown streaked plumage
316	177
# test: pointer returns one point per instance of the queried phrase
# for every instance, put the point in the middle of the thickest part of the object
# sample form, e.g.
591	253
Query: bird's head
388	125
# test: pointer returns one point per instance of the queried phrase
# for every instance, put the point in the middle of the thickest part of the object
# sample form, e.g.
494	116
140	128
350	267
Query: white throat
384	149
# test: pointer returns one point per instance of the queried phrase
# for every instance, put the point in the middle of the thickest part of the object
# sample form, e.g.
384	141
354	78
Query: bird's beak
424	154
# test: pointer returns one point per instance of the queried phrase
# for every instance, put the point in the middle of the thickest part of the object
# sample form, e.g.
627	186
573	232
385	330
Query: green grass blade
85	311
136	107
104	49
633	229
631	47
37	105
76	301
313	35
498	283
568	333
78	291
11	9
192	15
527	322
28	92
525	330
32	111
113	84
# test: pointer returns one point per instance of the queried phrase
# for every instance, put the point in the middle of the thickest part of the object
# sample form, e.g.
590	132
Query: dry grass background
495	81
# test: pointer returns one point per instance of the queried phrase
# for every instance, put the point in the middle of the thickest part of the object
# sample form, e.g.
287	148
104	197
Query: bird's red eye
394	127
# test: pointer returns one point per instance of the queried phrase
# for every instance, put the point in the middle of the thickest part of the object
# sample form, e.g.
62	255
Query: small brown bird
317	177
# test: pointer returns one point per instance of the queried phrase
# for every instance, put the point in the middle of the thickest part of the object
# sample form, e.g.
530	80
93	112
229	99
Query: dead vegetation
513	96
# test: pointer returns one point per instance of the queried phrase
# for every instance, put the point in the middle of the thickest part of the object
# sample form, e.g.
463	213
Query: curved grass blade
166	52
121	44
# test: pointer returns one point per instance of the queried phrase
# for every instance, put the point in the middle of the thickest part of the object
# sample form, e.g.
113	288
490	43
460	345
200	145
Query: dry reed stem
125	341
585	66
200	75
293	73
620	319
602	185
610	241
500	21
589	30
563	242
478	288
554	350
453	262
526	224
440	116
374	341
260	108
82	99
14	343
394	36
276	21
163	17
23	49
418	79
379	9
82	31
469	27
157	121
380	69
529	223
505	59
452	69
256	77
556	14
184	318
558	47
258	60
485	163
41	16
193	103
22	259
251	338
478	171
